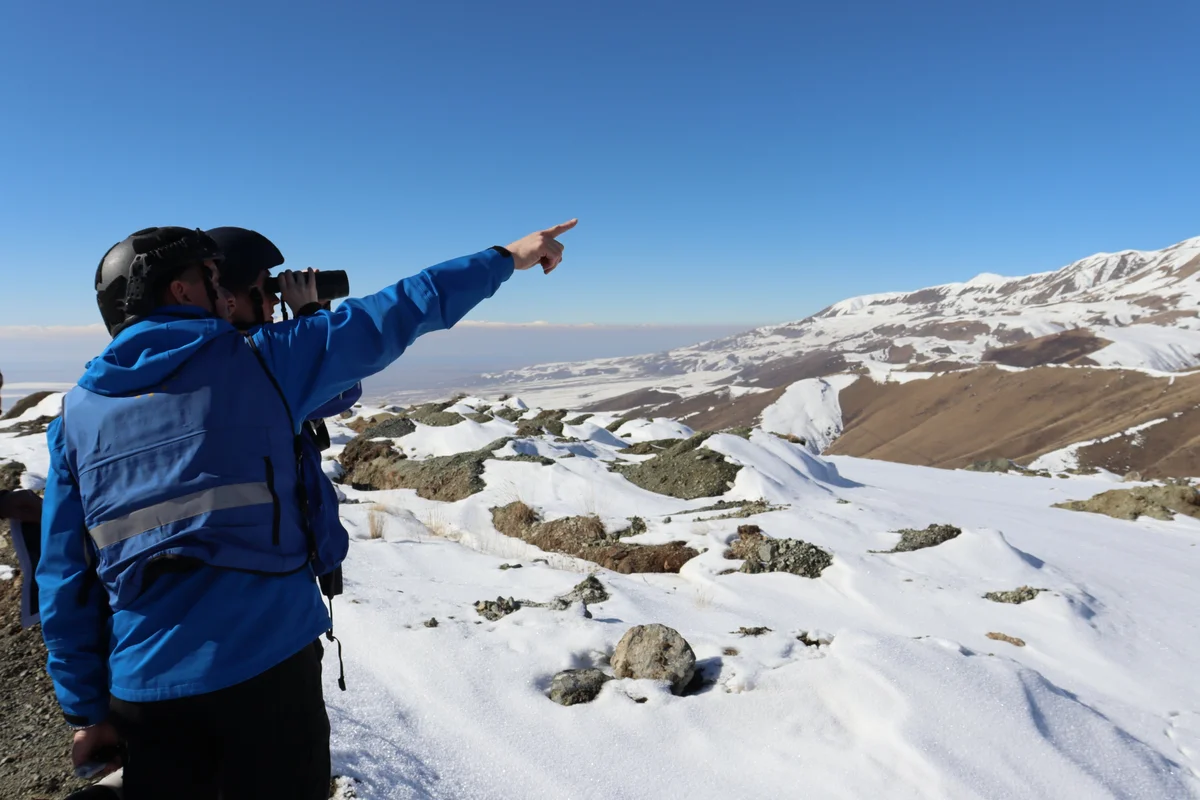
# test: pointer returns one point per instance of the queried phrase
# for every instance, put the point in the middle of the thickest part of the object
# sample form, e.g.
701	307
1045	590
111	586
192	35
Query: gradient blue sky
730	163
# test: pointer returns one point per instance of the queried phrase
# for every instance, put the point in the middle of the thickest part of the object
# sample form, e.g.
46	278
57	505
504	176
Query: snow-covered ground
907	697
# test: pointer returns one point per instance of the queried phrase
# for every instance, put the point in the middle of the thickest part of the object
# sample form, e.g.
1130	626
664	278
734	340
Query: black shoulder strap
262	362
297	450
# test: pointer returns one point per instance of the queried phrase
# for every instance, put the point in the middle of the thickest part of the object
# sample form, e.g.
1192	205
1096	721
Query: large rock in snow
655	652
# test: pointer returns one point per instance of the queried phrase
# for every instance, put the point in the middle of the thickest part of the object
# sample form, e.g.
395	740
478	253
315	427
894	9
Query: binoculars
331	285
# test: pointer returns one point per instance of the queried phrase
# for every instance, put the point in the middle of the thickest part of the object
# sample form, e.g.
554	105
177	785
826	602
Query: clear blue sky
745	162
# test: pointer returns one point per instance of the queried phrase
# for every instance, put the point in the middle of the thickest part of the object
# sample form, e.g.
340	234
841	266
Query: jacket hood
149	351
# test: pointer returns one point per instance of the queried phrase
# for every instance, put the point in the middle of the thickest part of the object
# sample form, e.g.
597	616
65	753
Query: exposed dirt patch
786	371
1057	348
924	296
954	419
633	400
1167	318
1007	335
585	537
1159	502
685	470
901	355
939	366
30	427
714	411
1168	449
35	744
1187	270
957	331
631	558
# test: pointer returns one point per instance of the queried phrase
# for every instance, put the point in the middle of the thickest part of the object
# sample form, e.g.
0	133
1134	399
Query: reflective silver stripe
180	508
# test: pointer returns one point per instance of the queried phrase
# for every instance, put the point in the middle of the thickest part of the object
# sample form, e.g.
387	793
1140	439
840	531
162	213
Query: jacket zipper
274	500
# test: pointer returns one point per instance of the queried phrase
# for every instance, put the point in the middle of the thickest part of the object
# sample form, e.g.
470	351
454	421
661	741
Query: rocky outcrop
685	470
1159	502
25	403
375	465
392	428
585	537
763	554
912	539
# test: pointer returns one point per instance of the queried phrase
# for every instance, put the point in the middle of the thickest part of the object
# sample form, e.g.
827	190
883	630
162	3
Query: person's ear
180	293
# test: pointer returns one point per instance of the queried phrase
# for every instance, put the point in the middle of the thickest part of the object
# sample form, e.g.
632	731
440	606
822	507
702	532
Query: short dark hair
185	272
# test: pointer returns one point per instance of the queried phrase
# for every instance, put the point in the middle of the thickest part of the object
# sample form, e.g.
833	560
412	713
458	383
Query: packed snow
810	410
876	679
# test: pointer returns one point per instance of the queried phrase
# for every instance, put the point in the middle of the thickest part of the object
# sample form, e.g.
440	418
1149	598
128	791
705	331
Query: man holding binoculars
179	549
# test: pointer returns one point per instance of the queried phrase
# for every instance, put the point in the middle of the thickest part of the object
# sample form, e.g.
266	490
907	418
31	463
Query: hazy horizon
35	358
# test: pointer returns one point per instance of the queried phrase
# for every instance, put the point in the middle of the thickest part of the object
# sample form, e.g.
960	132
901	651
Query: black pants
265	738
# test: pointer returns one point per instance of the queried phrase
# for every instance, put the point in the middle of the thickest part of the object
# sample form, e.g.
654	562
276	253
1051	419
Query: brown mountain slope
952	420
1068	347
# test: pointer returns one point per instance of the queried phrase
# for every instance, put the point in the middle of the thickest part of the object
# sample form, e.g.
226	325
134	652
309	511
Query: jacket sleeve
74	611
343	402
320	356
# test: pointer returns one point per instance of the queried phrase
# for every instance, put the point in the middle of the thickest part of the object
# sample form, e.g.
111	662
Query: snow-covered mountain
1132	309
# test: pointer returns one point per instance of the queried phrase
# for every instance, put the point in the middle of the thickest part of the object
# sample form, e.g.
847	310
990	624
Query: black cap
247	253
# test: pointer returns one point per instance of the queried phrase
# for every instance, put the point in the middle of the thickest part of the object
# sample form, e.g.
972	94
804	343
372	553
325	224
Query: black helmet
134	272
247	253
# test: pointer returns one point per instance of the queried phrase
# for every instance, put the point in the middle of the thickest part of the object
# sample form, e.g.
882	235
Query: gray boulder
589	590
573	686
655	652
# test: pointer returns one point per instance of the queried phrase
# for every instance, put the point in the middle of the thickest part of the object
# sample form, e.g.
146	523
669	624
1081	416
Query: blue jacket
206	629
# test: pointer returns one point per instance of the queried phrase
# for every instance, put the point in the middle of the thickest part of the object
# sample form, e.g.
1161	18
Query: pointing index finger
559	230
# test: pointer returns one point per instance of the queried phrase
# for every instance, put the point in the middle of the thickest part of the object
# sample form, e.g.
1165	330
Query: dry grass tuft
1004	637
375	524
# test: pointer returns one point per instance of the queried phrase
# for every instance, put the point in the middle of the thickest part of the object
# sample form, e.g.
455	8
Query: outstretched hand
541	247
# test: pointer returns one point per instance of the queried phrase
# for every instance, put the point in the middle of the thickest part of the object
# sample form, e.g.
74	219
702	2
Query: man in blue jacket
247	260
178	601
